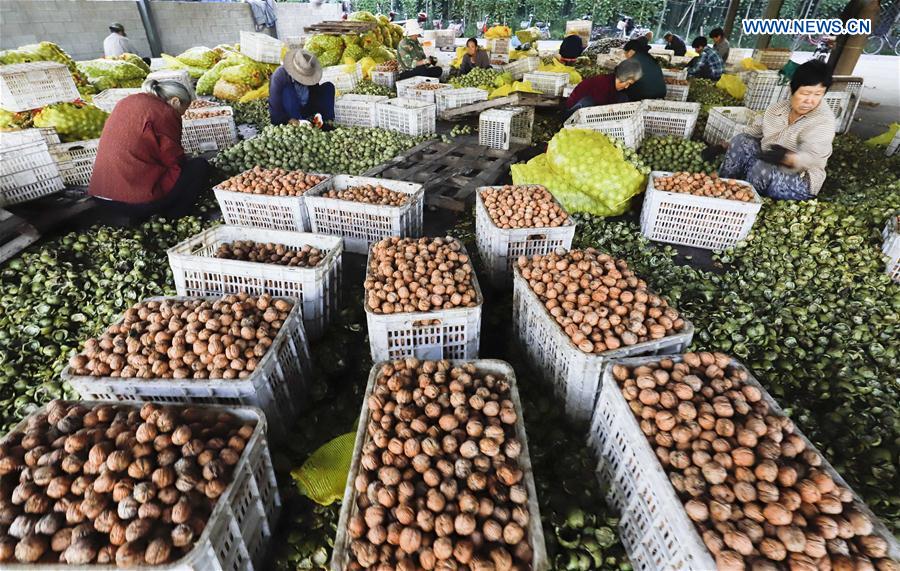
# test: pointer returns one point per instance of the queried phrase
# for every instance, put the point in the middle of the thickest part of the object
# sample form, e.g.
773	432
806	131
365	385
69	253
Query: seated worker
411	56
141	168
605	89
676	44
708	65
295	93
474	57
785	157
652	84
570	49
720	44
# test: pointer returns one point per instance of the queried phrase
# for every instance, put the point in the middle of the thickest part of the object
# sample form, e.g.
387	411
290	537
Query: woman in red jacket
141	168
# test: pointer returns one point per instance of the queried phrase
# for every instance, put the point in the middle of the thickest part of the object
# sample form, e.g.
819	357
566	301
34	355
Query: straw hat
412	28
302	66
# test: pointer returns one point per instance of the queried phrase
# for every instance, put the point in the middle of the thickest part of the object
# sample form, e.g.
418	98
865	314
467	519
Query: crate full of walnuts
513	221
363	210
90	485
233	350
422	300
230	259
709	473
573	311
440	477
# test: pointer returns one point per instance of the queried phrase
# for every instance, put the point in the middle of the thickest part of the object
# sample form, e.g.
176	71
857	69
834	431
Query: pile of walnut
675	81
755	491
419	274
529	206
390	65
429	86
193	339
597	301
439	484
268	253
700	184
369	194
272	182
114	484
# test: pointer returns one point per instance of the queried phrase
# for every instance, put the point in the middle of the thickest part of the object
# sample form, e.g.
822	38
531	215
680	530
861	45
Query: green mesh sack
199	56
323	477
72	121
248	74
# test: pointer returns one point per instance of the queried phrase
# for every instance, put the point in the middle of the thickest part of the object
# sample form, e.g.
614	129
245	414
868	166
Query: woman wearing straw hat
295	93
411	56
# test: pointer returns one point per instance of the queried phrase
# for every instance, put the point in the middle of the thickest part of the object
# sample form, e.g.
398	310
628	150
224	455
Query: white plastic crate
356	110
75	161
772	59
276	386
261	47
180	75
446	99
575	374
698	221
385	78
580	28
344	79
680	60
893	145
677	92
624	121
426	95
853	85
27	169
209	133
547	82
675	73
658	51
361	224
198	273
408	116
498	46
499	248
264	211
500	128
242	521
108	99
891	246
341	559
724	123
25	86
675	118
655	528
763	89
404	84
567	91
840	103
517	69
610	60
438	334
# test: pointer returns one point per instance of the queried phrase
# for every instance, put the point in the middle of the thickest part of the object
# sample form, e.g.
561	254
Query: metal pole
844	58
662	15
730	15
691	19
143	7
772	10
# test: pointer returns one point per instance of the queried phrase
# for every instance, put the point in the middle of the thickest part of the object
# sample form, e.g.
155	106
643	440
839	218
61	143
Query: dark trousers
193	180
423	70
321	100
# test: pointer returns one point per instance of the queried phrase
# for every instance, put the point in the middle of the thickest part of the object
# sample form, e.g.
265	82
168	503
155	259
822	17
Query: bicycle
875	44
822	45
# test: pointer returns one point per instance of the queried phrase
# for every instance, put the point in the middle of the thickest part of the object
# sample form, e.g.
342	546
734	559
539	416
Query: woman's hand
788	159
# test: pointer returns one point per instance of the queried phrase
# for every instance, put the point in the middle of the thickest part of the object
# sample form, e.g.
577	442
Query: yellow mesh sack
323	476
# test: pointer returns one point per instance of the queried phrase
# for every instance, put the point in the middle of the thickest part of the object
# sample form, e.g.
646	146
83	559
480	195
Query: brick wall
78	26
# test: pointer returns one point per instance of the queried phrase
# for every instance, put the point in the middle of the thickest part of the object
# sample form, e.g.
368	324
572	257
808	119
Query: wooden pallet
15	235
450	172
340	27
516	98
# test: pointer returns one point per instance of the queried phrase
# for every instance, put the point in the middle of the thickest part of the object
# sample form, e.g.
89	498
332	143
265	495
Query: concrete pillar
730	15
847	49
143	7
772	10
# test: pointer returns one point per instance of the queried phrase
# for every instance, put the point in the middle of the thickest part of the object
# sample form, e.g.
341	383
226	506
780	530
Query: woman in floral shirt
411	56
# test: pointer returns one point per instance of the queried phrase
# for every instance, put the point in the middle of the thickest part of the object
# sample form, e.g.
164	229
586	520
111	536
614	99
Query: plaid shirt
710	60
409	53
